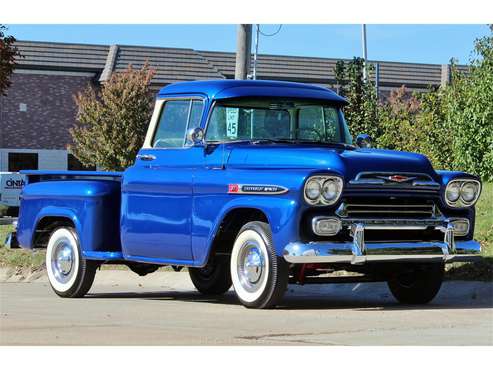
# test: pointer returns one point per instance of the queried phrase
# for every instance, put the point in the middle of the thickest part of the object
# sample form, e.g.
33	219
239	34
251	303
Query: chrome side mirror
363	141
195	136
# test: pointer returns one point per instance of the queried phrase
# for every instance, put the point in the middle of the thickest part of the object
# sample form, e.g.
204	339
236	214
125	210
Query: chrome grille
386	209
391	180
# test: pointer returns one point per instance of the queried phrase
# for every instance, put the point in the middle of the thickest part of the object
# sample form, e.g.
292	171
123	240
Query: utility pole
243	51
257	34
365	55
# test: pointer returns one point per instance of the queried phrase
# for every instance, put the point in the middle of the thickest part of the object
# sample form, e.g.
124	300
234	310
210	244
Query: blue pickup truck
255	185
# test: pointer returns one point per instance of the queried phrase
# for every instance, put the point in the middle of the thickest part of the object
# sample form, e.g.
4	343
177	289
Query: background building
39	108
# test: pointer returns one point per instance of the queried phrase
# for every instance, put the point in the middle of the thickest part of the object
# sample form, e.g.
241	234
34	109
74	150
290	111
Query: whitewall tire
259	276
69	273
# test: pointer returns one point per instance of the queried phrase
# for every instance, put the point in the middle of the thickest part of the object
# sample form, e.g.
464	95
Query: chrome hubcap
251	266
63	261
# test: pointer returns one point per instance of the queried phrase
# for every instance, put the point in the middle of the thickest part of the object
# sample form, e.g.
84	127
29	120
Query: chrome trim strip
345	209
258	187
395	224
429	205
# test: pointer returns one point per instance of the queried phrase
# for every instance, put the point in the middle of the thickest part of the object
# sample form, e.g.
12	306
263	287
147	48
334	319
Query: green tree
112	123
8	52
415	123
361	113
468	110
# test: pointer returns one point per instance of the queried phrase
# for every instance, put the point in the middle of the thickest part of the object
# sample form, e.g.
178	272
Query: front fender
281	212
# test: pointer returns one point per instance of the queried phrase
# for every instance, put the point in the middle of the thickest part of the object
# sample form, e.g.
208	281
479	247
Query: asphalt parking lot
164	309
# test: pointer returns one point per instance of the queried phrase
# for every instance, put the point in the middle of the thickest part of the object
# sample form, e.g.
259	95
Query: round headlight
468	191
330	190
312	190
453	192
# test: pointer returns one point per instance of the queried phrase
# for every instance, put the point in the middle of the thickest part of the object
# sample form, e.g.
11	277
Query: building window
23	161
73	164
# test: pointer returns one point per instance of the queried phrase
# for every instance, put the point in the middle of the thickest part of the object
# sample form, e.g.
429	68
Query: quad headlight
323	190
462	193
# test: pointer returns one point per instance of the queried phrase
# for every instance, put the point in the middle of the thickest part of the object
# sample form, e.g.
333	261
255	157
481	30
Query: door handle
146	157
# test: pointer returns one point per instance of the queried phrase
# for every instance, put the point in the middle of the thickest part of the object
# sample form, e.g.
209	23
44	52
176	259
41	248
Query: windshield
277	119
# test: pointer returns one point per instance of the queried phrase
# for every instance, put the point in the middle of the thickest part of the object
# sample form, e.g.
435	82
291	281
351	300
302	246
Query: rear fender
92	206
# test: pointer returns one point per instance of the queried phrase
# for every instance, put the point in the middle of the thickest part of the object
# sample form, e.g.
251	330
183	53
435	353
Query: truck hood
346	162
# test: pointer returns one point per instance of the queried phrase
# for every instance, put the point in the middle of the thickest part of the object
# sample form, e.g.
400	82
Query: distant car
11	184
255	184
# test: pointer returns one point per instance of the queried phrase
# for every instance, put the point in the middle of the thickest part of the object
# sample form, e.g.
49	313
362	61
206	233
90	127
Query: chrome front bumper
359	252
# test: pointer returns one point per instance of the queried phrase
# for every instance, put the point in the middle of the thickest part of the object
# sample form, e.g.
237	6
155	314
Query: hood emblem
397	178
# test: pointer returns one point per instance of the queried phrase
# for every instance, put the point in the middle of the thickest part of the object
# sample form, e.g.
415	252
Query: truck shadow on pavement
364	297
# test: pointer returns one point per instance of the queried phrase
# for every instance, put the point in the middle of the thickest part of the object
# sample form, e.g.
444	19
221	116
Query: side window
196	113
172	124
196	110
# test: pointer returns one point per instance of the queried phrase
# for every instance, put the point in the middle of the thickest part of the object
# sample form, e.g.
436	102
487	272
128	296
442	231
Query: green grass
4	230
484	220
18	257
483	233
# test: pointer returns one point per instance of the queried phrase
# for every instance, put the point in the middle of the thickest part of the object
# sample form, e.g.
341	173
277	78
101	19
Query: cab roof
230	89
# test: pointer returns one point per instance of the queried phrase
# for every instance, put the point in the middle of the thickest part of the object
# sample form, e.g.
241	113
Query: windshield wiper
284	141
329	143
253	141
275	141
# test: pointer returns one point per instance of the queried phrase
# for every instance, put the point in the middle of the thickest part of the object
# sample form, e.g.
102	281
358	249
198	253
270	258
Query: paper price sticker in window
232	115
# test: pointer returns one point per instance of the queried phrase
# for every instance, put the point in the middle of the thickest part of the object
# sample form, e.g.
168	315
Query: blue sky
406	43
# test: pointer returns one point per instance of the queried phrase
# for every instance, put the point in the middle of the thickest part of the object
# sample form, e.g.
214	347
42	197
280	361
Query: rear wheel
69	273
417	284
259	276
214	278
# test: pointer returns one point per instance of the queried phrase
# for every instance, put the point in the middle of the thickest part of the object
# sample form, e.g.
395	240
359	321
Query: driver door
157	190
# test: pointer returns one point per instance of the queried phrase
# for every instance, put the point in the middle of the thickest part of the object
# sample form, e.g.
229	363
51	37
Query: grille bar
387	210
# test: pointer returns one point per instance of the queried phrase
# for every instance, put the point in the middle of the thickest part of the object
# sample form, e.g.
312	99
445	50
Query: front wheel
214	278
259	276
69	273
417	284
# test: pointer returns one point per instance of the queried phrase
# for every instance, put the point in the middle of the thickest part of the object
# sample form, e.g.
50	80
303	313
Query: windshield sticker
232	115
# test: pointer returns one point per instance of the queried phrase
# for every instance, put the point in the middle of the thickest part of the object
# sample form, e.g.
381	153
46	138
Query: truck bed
87	200
39	175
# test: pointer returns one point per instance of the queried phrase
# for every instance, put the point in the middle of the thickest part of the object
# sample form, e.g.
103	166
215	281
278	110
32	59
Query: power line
270	34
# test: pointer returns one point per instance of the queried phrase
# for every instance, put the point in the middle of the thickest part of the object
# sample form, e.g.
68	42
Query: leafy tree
8	52
398	120
361	113
112	123
468	109
415	123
